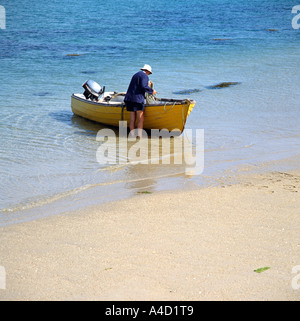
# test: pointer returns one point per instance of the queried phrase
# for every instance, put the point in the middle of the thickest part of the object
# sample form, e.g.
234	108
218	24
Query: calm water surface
48	156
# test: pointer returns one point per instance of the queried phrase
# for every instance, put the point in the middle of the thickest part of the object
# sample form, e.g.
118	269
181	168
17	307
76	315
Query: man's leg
140	118
132	122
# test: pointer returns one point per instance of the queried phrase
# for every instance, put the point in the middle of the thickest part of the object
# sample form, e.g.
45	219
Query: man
135	98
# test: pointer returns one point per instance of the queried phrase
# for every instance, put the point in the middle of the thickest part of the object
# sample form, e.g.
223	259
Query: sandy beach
81	220
193	245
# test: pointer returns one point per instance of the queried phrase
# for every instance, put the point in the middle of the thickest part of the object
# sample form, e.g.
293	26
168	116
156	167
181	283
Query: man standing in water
135	97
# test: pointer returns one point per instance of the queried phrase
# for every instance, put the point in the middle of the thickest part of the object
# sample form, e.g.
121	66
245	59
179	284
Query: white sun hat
148	68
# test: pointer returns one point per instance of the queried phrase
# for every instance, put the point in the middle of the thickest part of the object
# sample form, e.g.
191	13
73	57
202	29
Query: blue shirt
138	87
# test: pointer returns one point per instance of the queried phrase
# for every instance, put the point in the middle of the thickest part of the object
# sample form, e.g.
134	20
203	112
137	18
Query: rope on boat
182	110
169	108
188	107
122	112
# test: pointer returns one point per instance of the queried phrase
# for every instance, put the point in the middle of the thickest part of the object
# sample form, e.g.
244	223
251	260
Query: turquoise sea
48	159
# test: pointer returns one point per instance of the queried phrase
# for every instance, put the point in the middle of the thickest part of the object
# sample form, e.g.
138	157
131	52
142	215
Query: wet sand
191	245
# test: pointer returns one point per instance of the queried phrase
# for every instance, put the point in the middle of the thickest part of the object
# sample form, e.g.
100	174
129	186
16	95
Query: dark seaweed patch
223	85
187	91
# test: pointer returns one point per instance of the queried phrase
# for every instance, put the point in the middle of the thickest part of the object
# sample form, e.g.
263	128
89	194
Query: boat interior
95	94
115	98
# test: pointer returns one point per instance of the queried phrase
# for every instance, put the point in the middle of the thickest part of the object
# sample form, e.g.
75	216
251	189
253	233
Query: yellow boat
109	109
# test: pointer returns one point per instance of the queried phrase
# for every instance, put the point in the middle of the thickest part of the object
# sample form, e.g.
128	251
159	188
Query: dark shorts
132	106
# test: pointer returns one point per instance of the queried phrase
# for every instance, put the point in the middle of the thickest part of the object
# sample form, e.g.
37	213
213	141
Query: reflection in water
65	164
157	154
89	126
142	162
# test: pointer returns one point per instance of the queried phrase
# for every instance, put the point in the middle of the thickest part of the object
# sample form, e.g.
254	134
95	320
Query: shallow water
48	158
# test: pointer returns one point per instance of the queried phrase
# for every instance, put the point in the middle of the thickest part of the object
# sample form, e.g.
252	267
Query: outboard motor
92	90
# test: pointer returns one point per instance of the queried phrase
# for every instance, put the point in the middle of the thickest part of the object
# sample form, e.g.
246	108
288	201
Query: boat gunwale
165	102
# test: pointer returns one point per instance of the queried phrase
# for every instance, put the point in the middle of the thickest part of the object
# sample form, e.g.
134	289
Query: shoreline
197	245
100	194
72	228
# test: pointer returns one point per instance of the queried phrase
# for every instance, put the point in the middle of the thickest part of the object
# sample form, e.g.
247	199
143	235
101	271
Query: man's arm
145	81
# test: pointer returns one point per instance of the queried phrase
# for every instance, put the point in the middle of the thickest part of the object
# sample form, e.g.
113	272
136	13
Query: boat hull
167	114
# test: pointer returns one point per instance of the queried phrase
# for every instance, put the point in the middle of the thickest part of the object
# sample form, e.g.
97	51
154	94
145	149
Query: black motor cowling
92	90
